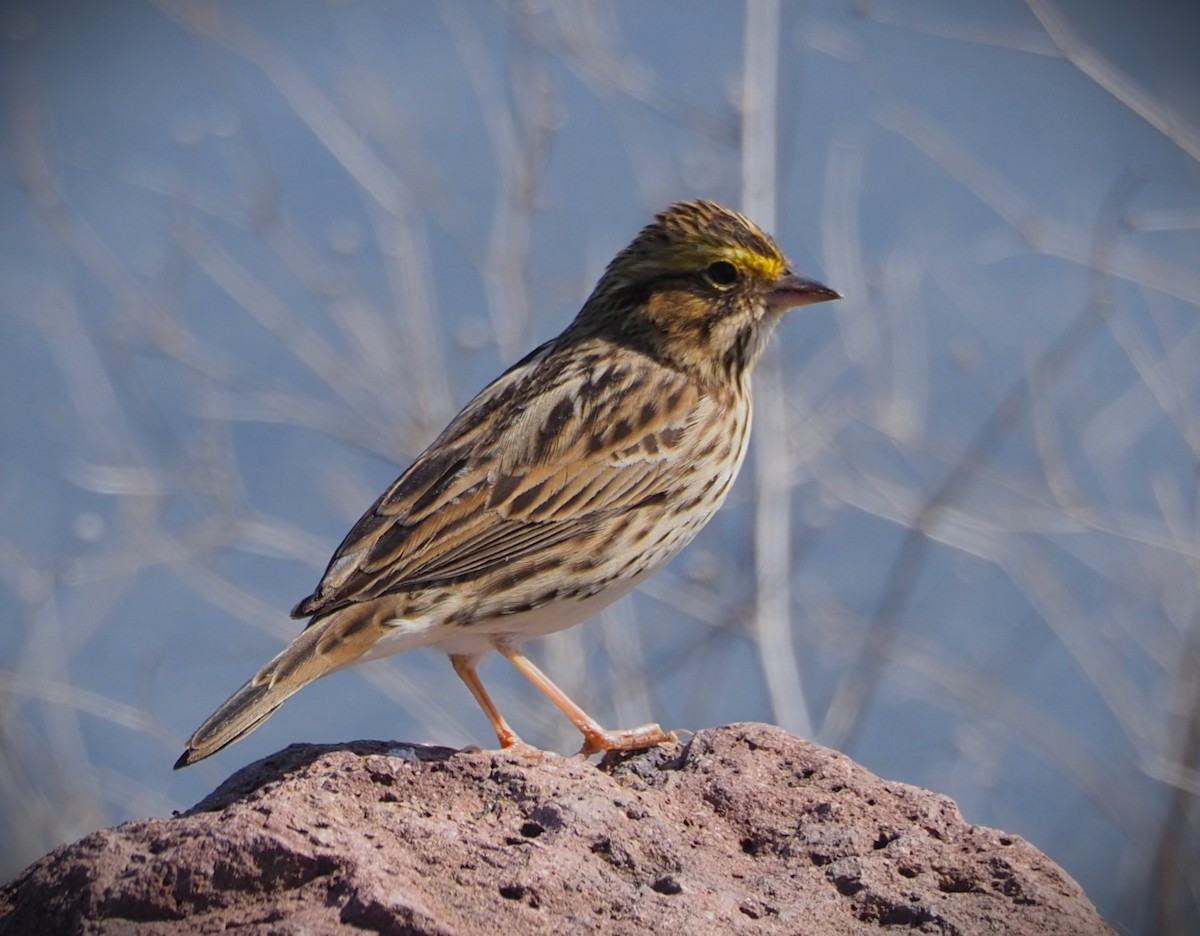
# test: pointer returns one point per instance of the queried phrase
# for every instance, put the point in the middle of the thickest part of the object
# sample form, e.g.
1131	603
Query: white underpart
480	636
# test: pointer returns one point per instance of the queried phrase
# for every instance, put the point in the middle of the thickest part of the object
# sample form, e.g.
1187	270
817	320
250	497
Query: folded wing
542	459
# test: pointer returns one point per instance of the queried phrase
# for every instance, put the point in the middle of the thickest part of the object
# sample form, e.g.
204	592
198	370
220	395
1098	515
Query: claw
524	751
627	739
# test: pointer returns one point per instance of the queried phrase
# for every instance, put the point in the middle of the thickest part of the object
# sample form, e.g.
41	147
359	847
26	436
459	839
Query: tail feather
315	651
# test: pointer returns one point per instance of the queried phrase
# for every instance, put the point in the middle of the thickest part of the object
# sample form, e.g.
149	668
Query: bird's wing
540	459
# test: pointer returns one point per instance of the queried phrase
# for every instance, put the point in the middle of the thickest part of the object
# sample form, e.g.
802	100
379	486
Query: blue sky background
254	256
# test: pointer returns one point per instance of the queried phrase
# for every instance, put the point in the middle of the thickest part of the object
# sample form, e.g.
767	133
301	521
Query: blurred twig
1087	59
772	622
843	718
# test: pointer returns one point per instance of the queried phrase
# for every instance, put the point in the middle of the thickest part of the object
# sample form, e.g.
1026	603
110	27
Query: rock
745	829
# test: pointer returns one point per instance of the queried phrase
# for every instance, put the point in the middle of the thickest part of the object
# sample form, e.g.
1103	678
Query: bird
565	482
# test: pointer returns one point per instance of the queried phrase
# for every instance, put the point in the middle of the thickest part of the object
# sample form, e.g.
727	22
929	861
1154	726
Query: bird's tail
318	650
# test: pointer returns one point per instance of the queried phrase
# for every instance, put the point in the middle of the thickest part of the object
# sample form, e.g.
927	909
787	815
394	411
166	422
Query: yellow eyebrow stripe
690	256
767	267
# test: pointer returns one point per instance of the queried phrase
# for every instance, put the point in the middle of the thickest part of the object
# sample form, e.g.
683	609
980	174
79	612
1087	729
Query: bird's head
700	288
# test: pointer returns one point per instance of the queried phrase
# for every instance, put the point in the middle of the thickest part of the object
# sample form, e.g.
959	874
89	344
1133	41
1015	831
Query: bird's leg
595	738
464	665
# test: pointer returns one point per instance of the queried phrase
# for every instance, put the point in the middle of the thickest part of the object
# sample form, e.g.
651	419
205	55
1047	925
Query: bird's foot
625	739
524	751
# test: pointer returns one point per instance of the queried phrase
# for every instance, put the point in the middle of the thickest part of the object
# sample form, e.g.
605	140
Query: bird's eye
721	274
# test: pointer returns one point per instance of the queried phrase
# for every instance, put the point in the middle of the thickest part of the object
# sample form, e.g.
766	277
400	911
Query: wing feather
541	457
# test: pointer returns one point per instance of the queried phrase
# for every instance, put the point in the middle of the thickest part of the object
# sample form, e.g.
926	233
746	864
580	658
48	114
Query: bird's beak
792	289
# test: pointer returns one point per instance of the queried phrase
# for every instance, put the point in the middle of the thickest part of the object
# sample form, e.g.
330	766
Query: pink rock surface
745	829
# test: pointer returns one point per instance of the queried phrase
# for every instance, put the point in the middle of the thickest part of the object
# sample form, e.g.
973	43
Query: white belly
478	637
